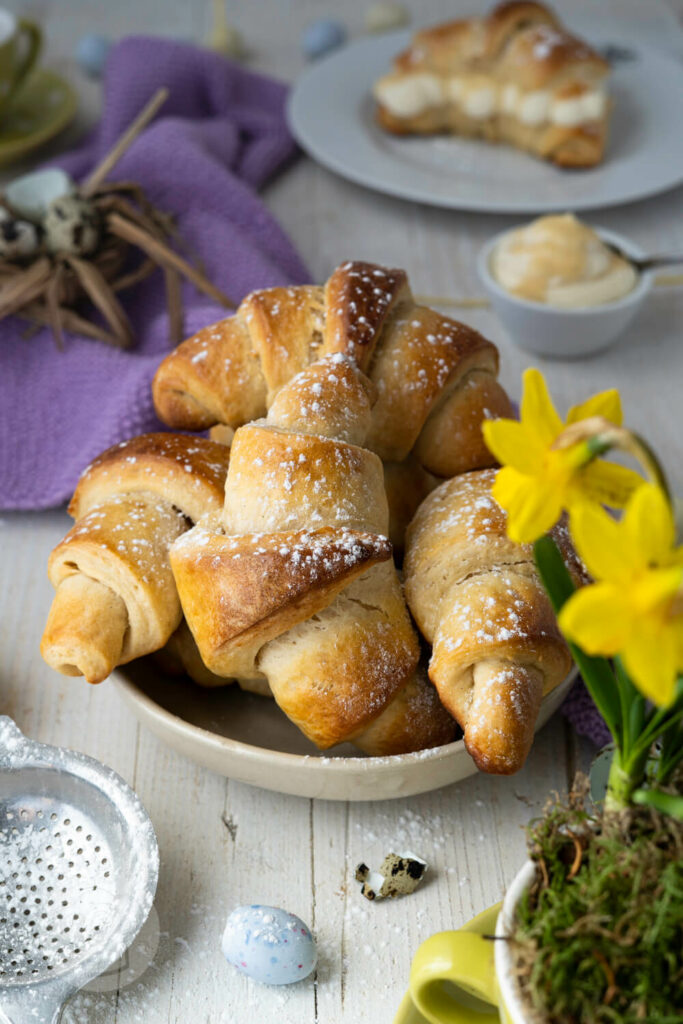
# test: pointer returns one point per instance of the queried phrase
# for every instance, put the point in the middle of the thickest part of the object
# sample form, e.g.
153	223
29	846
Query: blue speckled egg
270	945
91	53
322	36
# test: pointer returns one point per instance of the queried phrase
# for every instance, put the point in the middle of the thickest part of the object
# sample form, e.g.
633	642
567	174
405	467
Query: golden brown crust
566	145
116	598
283	481
188	472
213	377
414	357
226	372
422	360
335	673
406	484
477	598
518	44
333	399
122	543
451	441
239	592
543	55
414	720
293	583
359	299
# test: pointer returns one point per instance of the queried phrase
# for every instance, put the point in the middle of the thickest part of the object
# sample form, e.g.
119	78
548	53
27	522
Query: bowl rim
320	765
636	295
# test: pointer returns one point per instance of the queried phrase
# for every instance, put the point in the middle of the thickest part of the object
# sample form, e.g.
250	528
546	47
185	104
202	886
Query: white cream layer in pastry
408	95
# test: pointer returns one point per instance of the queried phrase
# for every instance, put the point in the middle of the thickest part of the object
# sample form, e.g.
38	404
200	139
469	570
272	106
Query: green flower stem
623	780
596	672
601	436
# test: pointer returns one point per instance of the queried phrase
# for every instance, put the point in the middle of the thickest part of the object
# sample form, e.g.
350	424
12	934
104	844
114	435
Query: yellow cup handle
452	979
35	40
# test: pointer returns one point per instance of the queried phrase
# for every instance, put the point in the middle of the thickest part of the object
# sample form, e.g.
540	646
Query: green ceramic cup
20	43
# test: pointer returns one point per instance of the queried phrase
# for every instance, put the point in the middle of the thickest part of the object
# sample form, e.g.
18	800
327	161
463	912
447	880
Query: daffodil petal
599	540
537	411
607	483
606	403
532	505
649	525
650	657
511	444
656	589
599	618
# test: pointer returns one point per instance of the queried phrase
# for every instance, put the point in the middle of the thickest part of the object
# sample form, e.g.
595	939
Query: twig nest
383	17
19	239
30	195
322	36
72	225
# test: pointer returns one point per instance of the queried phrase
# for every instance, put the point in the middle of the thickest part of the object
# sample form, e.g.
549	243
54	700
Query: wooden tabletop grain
222	843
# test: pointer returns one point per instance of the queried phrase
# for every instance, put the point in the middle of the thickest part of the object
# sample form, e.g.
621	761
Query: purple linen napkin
579	708
218	138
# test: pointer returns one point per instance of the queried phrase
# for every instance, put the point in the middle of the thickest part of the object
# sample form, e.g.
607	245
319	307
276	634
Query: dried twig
175	305
94	180
140	273
102	296
53	308
37	313
25	287
164	255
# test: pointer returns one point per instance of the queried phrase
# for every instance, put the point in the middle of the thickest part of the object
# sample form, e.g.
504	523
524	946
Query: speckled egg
19	239
270	945
92	51
322	36
385	16
72	225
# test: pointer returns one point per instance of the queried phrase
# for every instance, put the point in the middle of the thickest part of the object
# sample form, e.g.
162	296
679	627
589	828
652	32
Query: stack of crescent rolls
267	561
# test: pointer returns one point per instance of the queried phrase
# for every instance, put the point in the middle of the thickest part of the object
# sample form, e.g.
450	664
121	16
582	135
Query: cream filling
412	94
561	262
617	282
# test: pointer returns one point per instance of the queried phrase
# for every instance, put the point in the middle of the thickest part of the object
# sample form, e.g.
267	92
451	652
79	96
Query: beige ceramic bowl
247	738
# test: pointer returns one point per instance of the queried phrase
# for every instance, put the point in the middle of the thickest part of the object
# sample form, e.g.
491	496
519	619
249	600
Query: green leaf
666	803
632	705
671	753
597	673
553	572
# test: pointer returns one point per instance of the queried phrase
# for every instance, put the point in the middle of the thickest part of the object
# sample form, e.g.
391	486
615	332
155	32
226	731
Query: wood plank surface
222	843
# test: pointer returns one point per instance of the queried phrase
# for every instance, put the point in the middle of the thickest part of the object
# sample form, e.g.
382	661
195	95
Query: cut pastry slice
515	76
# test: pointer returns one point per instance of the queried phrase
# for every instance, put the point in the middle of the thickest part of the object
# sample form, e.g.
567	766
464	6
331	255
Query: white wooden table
223	844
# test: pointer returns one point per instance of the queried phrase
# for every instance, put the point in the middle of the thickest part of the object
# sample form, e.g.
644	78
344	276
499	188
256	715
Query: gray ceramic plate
248	738
331	115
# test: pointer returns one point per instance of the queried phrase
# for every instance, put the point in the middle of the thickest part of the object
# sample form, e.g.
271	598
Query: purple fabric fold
220	136
579	709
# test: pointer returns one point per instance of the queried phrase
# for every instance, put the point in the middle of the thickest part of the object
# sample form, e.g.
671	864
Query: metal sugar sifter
78	872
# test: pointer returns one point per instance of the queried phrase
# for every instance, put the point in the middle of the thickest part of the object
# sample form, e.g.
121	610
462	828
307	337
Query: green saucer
41	109
483	924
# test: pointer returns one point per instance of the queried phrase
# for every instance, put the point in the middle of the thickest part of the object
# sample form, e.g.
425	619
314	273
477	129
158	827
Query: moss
600	936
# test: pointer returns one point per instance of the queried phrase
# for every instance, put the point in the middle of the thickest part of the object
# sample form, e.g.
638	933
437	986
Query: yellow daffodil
539	479
636	607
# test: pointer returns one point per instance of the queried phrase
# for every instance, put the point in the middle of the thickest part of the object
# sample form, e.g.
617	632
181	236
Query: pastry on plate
435	379
515	76
293	584
115	597
477	598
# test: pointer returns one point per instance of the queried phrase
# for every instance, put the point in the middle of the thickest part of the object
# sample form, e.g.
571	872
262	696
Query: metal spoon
643	263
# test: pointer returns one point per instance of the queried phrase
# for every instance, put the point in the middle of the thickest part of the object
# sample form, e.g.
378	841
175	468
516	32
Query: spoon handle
651	262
